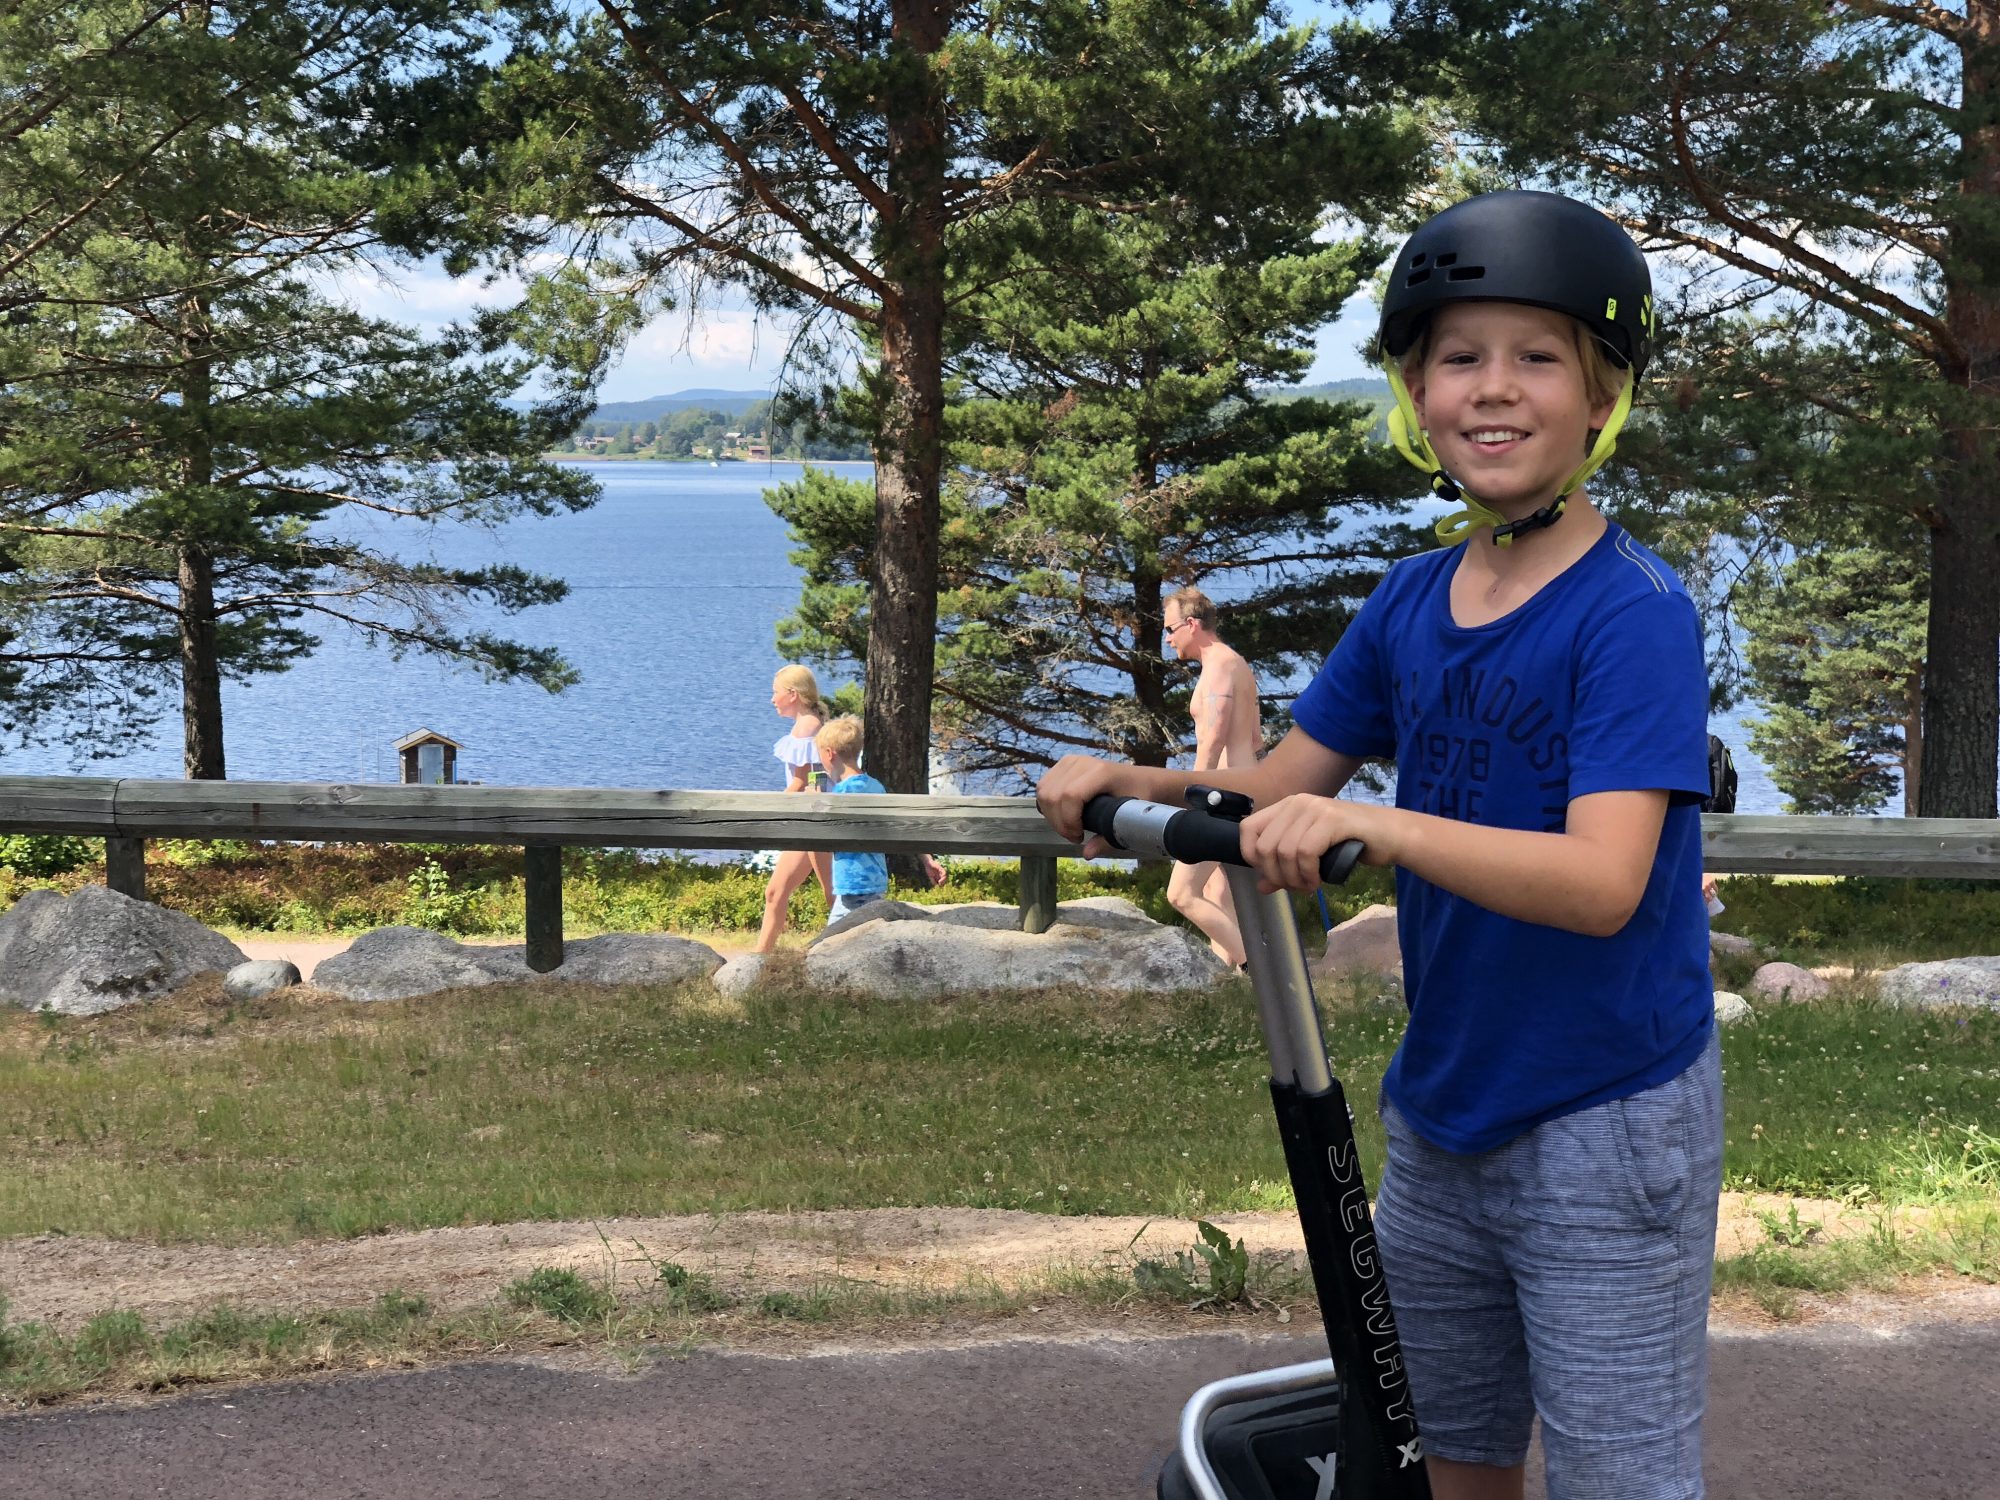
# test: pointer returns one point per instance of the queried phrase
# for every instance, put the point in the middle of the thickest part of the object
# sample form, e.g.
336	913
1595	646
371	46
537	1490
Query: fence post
125	867
1038	892
543	870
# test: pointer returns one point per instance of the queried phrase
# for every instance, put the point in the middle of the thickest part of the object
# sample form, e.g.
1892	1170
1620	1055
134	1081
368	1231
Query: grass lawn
200	1121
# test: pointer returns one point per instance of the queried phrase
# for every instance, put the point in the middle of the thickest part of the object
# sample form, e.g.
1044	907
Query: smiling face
1502	391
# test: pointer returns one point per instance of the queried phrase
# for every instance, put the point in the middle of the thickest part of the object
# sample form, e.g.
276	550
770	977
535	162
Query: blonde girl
795	696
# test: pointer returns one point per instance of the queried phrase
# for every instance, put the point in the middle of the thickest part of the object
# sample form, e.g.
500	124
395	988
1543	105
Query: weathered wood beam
586	816
542	882
1733	843
125	867
1038	892
1945	848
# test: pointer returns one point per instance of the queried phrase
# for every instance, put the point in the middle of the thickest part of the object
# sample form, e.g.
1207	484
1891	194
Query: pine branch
1871	304
752	178
1931	17
739	253
834	152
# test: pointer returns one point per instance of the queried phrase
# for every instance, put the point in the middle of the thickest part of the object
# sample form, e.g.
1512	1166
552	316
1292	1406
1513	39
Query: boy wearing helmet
1547	1215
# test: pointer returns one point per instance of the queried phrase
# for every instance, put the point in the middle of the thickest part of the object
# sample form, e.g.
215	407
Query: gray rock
96	950
397	963
1787	982
1945	984
936	958
1729	1009
616	958
1365	943
1110	913
875	911
740	974
259	977
1733	944
400	963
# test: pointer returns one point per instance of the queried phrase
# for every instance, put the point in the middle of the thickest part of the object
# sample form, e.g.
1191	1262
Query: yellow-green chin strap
1407	436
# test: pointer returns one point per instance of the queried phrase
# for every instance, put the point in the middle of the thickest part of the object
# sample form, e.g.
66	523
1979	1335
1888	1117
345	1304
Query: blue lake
677	577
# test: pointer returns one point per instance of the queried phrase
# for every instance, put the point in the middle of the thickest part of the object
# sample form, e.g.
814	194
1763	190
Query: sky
727	348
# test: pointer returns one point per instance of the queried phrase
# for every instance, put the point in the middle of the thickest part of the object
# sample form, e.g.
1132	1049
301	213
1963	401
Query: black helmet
1539	248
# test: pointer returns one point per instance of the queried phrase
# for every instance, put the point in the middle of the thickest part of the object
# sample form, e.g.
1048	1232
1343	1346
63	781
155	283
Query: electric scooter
1330	1429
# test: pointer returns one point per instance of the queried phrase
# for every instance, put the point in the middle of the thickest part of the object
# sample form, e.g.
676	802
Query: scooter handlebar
1190	835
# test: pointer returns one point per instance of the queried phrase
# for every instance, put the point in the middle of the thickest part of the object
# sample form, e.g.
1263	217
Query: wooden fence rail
127	812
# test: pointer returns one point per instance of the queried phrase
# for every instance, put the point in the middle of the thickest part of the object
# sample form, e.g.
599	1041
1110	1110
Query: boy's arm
1589	879
1299	763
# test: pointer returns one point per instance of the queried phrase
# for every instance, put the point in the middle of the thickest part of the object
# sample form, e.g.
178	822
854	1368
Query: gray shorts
1564	1274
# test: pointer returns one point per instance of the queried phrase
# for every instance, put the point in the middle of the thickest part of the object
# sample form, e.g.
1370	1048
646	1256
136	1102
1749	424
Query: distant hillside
654	407
1367	388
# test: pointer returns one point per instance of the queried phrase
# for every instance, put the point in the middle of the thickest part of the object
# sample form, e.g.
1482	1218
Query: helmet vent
1417	261
1416	278
1466	273
1448	259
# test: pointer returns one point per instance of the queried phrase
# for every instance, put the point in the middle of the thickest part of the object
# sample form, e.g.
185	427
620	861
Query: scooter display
1332	1429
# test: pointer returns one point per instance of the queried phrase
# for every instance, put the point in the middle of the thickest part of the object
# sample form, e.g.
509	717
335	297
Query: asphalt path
1827	1412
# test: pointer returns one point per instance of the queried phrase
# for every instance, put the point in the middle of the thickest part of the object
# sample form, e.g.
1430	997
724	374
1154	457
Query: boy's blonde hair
1603	377
841	737
800	680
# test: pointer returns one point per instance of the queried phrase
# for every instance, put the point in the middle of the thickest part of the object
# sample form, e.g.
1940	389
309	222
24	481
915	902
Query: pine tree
1840	164
186	414
867	161
1110	440
1835	654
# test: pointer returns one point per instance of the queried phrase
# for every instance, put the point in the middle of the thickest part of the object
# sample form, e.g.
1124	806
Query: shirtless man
1228	731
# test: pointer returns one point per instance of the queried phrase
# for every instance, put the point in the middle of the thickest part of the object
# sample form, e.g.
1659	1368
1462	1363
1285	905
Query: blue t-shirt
857	874
1596	684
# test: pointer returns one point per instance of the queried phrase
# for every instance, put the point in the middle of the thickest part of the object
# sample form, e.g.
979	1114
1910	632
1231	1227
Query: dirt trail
65	1280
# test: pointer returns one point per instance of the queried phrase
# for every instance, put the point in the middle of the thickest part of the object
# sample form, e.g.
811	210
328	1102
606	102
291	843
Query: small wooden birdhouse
429	759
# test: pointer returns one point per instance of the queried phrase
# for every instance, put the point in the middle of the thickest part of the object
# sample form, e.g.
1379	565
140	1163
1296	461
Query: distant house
428	758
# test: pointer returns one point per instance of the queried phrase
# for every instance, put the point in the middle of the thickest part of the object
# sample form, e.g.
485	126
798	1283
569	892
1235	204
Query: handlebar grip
1192	836
1338	862
1100	813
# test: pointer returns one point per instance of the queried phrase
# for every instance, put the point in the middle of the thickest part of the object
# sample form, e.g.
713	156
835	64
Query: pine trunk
1149	668
201	673
1913	744
903	571
1961	728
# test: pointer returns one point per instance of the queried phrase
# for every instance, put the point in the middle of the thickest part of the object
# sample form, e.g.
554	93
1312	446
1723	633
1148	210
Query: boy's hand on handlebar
1066	786
1284	842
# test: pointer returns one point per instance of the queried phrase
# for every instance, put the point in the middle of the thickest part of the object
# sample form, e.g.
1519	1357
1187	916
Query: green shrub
559	1293
44	854
200	854
815	1306
1862	916
1215	1273
432	900
691	1291
109	1336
